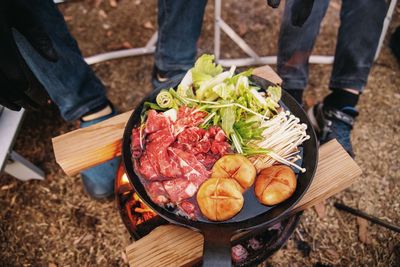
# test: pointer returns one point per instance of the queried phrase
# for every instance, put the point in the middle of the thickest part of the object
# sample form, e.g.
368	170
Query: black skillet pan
217	235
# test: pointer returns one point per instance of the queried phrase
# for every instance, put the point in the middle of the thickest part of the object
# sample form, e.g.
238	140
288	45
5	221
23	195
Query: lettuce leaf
205	92
275	92
246	73
224	91
227	119
204	69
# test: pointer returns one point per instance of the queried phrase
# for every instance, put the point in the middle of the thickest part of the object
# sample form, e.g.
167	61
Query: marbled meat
177	156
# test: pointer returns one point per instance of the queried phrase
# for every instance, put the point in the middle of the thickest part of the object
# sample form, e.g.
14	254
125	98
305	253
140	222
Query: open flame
124	179
142	211
137	211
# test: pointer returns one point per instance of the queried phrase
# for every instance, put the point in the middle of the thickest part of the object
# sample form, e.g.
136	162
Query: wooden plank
182	238
267	73
87	147
172	245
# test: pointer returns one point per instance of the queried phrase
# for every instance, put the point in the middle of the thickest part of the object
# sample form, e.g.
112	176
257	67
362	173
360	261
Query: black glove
274	3
18	86
301	10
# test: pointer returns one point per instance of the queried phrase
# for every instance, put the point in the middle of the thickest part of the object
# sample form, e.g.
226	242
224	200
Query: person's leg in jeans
179	23
295	45
72	85
361	23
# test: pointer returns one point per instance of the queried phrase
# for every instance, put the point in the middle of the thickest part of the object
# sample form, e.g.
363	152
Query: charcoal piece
254	244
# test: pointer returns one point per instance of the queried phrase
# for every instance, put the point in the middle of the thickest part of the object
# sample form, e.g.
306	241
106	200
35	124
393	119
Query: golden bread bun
235	166
275	184
220	199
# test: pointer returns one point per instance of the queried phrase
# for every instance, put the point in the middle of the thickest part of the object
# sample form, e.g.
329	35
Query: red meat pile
177	156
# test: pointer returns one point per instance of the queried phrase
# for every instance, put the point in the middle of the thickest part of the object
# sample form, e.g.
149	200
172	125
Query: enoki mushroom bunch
281	138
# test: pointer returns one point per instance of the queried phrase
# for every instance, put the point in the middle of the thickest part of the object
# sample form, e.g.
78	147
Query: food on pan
237	167
275	184
220	199
215	124
177	155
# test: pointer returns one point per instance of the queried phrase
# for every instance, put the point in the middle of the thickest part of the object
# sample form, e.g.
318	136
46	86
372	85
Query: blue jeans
179	23
361	24
71	83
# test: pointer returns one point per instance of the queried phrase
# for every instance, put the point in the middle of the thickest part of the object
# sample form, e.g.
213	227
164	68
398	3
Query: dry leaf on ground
363	230
320	209
148	25
113	3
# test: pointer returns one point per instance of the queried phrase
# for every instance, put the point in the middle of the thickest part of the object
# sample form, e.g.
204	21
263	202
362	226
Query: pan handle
217	248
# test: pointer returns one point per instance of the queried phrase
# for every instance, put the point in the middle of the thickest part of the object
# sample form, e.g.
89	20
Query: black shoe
161	78
330	123
395	43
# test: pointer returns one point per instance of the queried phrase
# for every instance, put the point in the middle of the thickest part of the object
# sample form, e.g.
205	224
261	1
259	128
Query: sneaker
164	78
98	181
330	123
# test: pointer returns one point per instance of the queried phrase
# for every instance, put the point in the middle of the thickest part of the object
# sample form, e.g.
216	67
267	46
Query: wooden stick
181	247
368	217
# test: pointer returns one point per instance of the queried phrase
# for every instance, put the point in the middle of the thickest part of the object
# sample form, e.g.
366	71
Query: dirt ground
53	223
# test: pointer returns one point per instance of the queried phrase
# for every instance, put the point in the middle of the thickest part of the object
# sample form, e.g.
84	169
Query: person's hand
18	86
301	10
273	3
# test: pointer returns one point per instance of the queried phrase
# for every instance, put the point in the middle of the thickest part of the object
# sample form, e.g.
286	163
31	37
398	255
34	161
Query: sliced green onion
164	99
178	97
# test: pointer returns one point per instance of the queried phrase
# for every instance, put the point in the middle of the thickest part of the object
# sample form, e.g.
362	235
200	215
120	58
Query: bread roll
220	199
275	184
235	166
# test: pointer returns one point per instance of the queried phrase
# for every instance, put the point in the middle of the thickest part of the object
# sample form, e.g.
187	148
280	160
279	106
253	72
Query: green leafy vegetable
275	92
246	73
231	101
204	69
249	131
227	119
205	91
225	91
181	100
185	91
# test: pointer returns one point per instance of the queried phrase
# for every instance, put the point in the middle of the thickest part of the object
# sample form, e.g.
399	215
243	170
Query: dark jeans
361	24
71	83
179	23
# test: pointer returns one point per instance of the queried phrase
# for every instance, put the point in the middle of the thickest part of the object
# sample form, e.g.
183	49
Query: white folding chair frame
10	161
221	25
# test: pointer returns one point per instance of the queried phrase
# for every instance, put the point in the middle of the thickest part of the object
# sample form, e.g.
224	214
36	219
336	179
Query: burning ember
141	210
137	209
134	211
